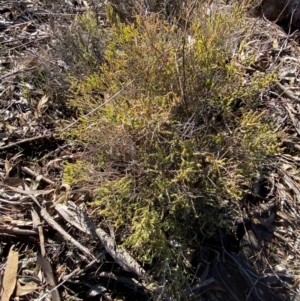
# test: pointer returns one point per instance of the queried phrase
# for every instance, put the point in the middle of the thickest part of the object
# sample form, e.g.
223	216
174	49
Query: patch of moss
76	173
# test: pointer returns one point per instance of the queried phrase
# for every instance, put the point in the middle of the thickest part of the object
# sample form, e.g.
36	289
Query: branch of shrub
100	106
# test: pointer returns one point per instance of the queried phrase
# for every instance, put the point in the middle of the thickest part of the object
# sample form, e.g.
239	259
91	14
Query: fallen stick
127	281
82	222
66	235
16	231
286	92
31	173
37	225
24	141
16	72
79	219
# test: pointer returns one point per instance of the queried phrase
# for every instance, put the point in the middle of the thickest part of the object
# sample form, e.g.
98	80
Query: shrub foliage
182	141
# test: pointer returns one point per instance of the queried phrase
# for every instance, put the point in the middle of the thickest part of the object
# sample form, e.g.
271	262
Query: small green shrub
76	173
80	44
184	138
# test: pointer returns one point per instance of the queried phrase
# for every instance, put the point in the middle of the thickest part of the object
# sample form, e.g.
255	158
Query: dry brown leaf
10	274
28	288
285	166
9	128
47	269
7	167
275	44
32	63
41	104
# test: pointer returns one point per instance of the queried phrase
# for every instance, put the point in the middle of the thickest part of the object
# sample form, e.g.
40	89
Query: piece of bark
120	256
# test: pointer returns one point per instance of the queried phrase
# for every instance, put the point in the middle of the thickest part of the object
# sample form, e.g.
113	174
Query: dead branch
286	92
37	224
31	173
16	72
129	282
16	231
26	140
82	222
66	235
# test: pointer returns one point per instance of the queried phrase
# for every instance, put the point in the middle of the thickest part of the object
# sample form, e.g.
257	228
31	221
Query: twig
243	271
60	284
294	120
82	222
100	106
16	231
25	140
15	202
16	72
34	175
120	256
29	192
32	193
100	256
197	287
66	235
127	281
20	45
287	93
287	242
37	224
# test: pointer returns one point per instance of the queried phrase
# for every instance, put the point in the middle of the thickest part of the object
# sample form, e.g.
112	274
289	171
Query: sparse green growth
181	141
76	173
